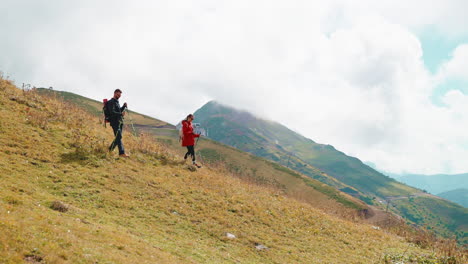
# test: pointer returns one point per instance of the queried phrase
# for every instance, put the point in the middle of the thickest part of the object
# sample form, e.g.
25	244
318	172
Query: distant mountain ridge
436	183
276	142
459	196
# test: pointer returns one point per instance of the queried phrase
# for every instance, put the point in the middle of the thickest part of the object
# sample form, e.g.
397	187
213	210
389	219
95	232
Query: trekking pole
200	133
198	152
201	157
131	121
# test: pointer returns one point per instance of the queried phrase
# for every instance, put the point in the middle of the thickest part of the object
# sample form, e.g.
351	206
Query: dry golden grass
258	171
149	208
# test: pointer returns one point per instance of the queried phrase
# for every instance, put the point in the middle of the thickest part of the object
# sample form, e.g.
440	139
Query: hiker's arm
123	107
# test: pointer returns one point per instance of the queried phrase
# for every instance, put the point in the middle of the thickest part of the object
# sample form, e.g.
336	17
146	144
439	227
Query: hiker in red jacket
188	138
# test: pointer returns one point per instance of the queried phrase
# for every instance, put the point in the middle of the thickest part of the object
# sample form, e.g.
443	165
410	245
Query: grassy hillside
64	199
245	166
290	182
263	172
274	141
438	215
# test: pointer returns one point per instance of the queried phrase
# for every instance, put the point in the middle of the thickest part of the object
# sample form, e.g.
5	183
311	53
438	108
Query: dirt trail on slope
384	218
380	217
419	194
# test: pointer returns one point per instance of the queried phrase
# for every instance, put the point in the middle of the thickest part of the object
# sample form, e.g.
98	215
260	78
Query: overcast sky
385	81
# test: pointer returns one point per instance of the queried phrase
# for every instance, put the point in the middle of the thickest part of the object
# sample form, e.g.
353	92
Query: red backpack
106	111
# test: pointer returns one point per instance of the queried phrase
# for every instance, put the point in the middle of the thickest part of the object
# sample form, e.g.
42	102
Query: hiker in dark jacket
188	138
117	114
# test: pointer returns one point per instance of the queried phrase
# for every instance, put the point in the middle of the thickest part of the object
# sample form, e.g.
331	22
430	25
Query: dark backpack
106	111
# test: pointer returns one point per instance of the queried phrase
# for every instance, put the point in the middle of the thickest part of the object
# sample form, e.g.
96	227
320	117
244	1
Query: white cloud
343	72
457	67
447	17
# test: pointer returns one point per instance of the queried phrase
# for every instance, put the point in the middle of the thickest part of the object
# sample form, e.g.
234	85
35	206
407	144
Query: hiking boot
124	155
196	165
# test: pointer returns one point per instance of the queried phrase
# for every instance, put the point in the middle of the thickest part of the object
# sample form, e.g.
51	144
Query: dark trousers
117	127
190	152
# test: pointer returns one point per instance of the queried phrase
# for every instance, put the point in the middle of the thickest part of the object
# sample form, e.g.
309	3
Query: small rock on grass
230	236
33	258
260	247
59	206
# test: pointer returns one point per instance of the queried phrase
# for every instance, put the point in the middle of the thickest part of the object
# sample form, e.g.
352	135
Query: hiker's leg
119	140
115	128
192	152
188	152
